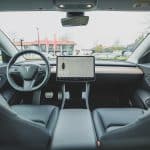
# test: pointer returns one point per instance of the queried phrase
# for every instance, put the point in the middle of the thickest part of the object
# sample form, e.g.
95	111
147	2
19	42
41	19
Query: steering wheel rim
22	88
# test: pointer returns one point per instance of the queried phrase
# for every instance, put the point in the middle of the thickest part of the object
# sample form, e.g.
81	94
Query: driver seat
44	115
26	127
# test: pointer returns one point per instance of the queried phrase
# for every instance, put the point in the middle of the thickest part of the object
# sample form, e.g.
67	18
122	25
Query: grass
119	58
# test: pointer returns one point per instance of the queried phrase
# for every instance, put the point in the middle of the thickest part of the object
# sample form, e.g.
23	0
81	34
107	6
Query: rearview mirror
75	21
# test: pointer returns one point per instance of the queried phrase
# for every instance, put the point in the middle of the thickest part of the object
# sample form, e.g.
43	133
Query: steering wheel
28	72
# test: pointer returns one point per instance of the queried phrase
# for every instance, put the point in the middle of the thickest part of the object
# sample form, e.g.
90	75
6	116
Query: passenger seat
122	128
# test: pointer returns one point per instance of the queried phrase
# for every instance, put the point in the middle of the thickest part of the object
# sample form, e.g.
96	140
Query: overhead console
75	4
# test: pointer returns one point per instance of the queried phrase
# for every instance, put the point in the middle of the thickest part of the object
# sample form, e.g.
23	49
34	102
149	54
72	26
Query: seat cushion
44	115
108	119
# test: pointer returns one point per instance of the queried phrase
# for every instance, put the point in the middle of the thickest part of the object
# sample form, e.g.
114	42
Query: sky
104	27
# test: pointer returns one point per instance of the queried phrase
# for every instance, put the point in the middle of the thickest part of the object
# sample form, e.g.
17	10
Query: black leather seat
44	115
122	128
110	119
26	127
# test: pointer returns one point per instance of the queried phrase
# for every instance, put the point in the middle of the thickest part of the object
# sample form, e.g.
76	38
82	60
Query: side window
4	58
145	58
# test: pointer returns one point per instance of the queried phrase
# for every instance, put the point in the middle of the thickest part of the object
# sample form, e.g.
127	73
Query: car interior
75	103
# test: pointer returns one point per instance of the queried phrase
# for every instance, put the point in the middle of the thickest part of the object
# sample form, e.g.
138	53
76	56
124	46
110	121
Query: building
55	47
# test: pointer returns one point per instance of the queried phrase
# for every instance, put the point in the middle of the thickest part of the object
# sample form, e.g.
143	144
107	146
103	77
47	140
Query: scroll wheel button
63	65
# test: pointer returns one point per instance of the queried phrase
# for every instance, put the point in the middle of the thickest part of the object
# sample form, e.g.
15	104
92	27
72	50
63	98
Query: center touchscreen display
75	68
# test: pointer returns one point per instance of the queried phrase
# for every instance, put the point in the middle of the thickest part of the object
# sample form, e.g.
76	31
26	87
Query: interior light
89	6
61	6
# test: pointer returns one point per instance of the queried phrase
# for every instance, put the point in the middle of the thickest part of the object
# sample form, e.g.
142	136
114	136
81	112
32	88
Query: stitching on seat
50	116
38	121
113	125
100	117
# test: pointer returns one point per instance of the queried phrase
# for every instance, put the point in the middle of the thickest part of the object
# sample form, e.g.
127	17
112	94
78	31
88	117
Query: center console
75	69
75	129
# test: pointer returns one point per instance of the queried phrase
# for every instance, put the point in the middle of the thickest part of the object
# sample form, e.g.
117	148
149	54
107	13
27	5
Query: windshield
108	35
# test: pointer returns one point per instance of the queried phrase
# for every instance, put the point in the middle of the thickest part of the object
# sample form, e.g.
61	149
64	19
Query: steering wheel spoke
41	69
28	84
14	70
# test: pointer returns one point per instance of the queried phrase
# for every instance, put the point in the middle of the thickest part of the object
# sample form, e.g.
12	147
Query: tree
99	48
119	47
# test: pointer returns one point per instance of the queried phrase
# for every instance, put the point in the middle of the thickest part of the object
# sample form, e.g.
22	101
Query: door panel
9	94
146	70
3	78
142	95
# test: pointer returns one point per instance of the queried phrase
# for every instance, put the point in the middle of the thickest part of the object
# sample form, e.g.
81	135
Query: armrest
74	131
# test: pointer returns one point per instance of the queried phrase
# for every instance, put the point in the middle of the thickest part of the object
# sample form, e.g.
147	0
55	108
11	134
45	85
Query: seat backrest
3	103
18	133
133	136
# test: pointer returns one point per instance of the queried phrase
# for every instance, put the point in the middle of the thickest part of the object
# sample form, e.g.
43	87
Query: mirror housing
75	19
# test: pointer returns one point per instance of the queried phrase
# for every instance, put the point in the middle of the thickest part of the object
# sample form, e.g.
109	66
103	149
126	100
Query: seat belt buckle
98	143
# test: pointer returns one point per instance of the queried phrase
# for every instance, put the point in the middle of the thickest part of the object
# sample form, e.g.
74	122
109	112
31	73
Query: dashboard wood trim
118	70
113	70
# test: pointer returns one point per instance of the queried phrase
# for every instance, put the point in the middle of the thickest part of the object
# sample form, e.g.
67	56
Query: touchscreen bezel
75	79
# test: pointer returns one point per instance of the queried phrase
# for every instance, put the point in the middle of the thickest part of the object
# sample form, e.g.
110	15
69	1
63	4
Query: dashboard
112	83
112	70
105	71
